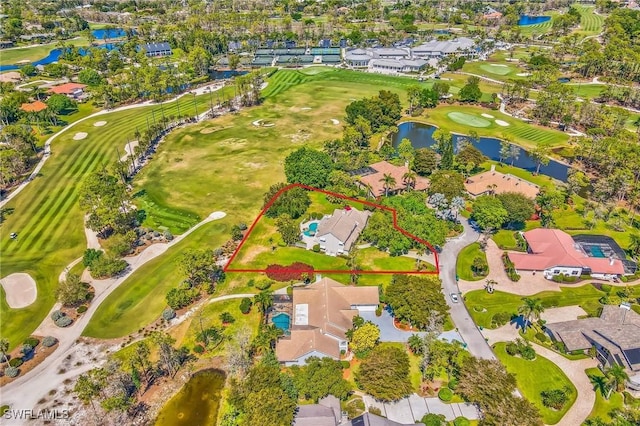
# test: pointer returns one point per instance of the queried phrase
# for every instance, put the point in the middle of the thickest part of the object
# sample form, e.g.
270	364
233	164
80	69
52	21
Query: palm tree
409	179
388	182
530	309
599	384
263	300
4	348
634	244
615	376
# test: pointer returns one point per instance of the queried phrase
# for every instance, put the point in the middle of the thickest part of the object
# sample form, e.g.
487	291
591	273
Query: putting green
498	69
315	70
468	119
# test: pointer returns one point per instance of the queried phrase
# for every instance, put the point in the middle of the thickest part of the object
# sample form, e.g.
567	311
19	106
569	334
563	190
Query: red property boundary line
333	271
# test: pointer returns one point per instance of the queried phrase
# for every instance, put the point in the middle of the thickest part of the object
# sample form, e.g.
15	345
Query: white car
454	298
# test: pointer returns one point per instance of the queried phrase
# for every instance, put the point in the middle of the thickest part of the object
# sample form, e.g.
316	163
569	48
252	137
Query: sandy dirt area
79	136
99	123
20	289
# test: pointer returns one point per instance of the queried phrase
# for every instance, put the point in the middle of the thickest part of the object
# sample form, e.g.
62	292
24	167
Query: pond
104	33
54	56
532	20
197	403
421	136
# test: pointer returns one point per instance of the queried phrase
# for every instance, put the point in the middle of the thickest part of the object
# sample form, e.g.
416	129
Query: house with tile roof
555	252
72	90
36	106
494	182
322	313
372	179
337	233
615	335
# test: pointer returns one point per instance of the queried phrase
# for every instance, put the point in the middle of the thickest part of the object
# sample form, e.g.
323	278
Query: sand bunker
99	123
79	136
20	289
305	109
261	123
499	65
257	123
334	121
208	130
502	123
523	74
487	115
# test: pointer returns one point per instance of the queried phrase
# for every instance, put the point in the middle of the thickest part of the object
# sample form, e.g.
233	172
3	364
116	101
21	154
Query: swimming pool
313	227
597	252
282	321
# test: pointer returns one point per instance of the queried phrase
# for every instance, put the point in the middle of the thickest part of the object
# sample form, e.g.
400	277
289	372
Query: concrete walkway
411	409
25	392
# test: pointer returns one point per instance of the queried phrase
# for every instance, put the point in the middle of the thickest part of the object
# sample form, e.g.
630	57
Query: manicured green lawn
470	120
585	296
33	53
505	239
537	376
465	262
522	133
590	22
46	214
587	91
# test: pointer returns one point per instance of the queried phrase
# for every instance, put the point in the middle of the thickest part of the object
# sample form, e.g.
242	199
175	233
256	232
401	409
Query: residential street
461	318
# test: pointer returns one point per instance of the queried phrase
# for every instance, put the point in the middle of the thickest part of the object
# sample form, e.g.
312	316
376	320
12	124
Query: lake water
421	136
103	33
197	403
532	20
54	56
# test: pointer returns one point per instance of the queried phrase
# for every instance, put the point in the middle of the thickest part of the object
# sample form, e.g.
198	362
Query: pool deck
308	240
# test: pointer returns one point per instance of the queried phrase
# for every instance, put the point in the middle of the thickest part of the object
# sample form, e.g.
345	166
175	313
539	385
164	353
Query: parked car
454	298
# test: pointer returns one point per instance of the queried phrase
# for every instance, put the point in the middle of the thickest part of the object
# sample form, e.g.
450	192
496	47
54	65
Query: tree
170	357
519	207
72	291
409	179
4	348
104	198
199	266
319	378
634	245
616	377
264	301
576	182
413	299
413	93
269	407
384	374
548	200
364	338
288	229
530	309
489	213
469	158
406	151
90	77
447	182
471	92
444	146
425	161
388	182
88	389
293	202
457	204
309	167
489	385
541	154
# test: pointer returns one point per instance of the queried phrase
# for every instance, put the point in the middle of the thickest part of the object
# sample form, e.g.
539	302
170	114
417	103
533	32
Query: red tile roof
67	88
36	106
384	167
552	247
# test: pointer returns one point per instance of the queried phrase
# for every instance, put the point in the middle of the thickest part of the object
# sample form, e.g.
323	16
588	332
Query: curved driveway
476	344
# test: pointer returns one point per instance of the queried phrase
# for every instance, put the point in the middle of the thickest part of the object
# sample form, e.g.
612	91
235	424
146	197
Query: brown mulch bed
41	354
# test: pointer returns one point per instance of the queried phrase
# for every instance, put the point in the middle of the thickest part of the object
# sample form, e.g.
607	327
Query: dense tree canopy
447	182
309	167
384	374
293	202
417	300
319	378
489	213
519	207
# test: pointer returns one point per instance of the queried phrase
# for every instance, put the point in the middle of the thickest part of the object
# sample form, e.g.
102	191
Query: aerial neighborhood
320	213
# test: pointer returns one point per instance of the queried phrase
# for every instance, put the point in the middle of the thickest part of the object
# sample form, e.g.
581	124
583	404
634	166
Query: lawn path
47	144
28	389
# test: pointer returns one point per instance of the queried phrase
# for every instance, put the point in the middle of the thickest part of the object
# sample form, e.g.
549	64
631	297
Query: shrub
15	362
82	309
606	288
245	305
375	410
49	341
378	310
168	314
227	318
541	336
107	266
501	318
251	282
432	419
90	256
511	348
453	384
63	322
345	364
527	352
290	290
554	398
168	236
11	372
56	315
316	248
198	349
263	284
31	341
560	346
242	226
296	271
461	421
445	394
26	349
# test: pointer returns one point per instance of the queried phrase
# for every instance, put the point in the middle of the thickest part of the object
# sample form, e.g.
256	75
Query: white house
337	233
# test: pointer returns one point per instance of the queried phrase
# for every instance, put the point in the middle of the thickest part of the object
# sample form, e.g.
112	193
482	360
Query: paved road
476	344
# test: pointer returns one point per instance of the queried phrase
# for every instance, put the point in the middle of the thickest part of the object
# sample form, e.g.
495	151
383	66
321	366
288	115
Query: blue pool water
532	20
313	227
597	252
282	321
